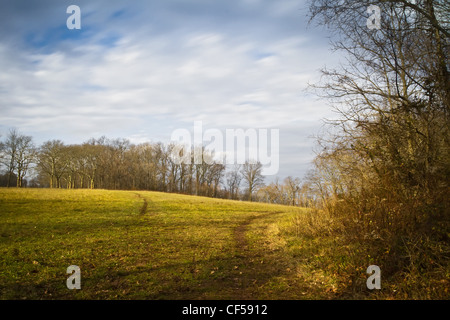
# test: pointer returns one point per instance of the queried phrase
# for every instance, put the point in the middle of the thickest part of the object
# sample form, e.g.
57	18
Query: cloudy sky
141	69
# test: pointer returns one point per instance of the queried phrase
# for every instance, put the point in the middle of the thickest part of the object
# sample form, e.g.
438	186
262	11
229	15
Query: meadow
161	246
144	245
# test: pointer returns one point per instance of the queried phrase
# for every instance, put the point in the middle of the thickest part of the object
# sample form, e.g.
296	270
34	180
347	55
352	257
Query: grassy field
151	245
145	245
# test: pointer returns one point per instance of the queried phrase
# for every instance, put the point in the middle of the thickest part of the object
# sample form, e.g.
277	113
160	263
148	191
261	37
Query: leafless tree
233	180
26	153
52	161
252	176
292	188
10	153
391	139
17	155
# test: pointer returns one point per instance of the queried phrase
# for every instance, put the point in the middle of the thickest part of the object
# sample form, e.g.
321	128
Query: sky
142	69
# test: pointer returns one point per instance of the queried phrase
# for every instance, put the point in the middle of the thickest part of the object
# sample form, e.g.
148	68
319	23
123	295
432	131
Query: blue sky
141	69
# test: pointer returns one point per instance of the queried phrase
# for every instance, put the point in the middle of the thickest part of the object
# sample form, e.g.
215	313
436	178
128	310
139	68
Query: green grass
179	247
151	245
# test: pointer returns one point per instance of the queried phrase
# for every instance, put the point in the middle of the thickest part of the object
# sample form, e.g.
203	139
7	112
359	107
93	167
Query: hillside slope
145	245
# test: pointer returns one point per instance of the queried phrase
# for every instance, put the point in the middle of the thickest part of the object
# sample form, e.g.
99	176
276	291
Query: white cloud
223	78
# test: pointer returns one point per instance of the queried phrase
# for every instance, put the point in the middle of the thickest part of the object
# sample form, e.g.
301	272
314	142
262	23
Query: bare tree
382	171
162	157
26	153
89	162
51	161
2	147
216	175
10	153
233	180
292	188
252	176
18	154
275	193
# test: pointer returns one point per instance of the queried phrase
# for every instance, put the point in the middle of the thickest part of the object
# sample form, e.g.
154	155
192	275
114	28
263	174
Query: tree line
118	164
387	156
382	171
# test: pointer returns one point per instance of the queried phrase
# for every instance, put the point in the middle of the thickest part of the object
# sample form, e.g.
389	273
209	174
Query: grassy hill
145	245
151	245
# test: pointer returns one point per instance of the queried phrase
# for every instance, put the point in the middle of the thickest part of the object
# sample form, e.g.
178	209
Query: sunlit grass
181	247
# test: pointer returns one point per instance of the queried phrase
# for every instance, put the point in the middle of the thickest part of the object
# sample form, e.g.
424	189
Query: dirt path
265	269
241	230
143	209
255	265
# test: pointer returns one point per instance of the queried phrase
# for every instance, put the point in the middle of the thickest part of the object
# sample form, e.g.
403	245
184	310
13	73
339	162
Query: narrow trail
265	270
255	265
241	230
143	209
